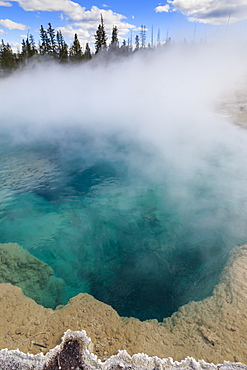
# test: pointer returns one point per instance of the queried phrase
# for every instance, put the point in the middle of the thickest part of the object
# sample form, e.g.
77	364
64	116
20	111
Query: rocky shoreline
213	329
74	353
234	108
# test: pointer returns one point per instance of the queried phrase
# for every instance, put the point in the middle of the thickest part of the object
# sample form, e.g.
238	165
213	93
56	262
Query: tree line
53	46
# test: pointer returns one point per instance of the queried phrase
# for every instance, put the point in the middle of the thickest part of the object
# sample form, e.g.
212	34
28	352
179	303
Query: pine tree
7	58
62	47
124	47
104	37
76	50
33	49
100	37
45	42
114	39
158	38
143	36
28	48
52	40
137	42
87	54
23	48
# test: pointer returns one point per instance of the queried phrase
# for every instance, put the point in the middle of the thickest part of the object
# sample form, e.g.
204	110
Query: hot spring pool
110	224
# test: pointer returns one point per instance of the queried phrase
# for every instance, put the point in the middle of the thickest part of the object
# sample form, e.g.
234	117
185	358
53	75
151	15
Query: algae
34	277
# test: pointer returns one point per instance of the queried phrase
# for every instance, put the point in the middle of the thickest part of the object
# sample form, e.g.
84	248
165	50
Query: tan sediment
234	108
213	329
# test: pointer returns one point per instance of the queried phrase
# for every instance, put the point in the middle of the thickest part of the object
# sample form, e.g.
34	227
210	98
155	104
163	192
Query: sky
190	20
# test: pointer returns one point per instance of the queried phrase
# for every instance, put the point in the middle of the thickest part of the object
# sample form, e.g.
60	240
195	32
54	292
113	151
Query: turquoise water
110	224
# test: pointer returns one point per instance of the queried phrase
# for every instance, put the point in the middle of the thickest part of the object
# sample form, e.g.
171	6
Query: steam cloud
164	107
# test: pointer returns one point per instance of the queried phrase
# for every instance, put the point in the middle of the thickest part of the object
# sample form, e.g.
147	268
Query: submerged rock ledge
213	329
74	353
34	277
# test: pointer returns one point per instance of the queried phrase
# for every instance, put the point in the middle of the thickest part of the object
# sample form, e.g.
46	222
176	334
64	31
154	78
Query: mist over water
123	176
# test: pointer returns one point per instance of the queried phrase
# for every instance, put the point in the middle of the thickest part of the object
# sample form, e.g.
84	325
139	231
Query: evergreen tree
100	37
76	50
87	54
33	49
62	47
124	47
104	37
143	36
52	40
23	48
7	58
27	50
137	42
114	39
45	42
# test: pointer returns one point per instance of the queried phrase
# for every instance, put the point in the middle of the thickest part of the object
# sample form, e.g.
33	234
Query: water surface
145	240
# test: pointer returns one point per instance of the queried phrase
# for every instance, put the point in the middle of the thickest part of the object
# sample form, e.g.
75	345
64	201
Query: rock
34	277
74	353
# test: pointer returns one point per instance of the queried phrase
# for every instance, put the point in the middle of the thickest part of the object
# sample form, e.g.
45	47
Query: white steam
171	198
165	101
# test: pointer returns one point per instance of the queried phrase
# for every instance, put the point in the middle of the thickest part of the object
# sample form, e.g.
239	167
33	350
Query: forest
52	46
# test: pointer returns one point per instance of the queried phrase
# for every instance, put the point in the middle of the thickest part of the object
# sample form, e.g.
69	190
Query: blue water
90	211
